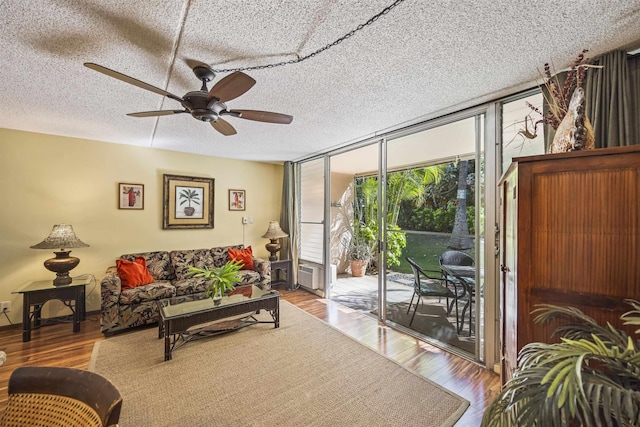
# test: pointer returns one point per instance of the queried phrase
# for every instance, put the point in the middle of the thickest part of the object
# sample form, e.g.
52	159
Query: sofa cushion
151	292
221	254
243	255
182	260
133	273
248	277
158	263
190	286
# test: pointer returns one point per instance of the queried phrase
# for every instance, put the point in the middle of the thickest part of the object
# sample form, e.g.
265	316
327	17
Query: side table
36	294
283	265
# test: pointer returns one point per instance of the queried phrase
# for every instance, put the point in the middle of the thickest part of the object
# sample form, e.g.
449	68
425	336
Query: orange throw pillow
133	273
244	255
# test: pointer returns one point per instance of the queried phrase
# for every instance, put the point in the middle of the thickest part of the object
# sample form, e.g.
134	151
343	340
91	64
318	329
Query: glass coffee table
191	317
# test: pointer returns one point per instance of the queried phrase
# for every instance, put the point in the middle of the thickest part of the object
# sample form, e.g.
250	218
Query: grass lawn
425	249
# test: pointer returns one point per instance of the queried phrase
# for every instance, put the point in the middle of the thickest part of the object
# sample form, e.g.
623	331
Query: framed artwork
187	202
237	200
130	196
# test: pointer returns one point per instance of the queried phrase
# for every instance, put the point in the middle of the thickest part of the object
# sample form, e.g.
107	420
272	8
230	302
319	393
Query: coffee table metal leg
167	343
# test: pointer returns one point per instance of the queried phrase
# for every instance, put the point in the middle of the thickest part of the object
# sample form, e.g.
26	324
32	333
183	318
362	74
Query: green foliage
221	279
396	241
440	220
359	252
435	208
591	378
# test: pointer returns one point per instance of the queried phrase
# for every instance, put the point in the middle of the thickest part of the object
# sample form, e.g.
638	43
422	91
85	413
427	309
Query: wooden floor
56	345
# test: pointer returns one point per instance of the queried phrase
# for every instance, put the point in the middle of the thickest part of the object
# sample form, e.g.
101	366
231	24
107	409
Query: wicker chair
60	397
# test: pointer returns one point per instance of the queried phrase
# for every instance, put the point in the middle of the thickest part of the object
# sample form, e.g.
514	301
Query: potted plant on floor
221	279
591	378
360	255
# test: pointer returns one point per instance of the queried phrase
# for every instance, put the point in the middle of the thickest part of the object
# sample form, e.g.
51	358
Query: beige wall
49	180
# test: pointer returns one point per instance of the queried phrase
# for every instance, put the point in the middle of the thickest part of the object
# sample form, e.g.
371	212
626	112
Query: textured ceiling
422	59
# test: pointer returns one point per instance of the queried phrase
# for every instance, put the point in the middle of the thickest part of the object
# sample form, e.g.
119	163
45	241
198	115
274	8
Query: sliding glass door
353	227
413	204
434	216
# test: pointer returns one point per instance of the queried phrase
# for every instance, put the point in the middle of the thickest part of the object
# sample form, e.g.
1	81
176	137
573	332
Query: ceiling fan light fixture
204	115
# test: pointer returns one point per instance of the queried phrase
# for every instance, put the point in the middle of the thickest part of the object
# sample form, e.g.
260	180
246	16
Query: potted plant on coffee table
221	279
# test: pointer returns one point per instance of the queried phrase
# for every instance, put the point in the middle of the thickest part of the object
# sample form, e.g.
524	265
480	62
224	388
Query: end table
283	265
36	294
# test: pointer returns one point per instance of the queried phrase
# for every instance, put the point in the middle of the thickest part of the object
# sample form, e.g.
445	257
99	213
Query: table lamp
274	232
62	236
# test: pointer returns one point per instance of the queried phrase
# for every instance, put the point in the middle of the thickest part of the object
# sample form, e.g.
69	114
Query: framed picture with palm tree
187	202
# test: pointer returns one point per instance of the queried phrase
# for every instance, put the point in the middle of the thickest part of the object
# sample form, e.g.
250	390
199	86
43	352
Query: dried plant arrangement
557	95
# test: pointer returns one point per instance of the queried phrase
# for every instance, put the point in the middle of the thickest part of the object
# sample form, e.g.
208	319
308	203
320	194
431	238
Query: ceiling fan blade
156	113
224	127
111	73
264	116
232	86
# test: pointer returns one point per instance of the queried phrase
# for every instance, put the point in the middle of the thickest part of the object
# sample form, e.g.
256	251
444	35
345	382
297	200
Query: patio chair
68	397
454	258
426	283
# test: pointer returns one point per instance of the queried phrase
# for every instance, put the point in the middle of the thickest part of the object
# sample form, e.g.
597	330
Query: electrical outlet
250	220
5	306
245	220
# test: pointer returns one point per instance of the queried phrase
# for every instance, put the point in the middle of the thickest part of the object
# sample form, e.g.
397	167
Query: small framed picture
237	200
188	202
130	196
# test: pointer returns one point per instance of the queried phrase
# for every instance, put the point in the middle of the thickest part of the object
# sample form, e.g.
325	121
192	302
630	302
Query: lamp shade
62	236
274	231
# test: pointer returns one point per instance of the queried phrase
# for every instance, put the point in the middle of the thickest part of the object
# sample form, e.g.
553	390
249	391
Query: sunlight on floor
361	294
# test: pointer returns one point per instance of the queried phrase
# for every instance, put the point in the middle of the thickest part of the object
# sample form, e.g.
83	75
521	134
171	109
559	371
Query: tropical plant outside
438	198
591	378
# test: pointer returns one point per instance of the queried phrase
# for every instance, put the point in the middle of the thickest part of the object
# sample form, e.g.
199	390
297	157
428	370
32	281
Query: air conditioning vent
308	276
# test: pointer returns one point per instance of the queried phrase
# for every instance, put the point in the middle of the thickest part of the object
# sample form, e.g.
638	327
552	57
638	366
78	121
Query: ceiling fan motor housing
202	108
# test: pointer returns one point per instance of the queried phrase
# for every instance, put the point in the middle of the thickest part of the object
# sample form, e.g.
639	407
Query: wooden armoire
569	237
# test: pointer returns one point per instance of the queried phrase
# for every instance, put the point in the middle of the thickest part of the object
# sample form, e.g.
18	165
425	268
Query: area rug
305	373
431	320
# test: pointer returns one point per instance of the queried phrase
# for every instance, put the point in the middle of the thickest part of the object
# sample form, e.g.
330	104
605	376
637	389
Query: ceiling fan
205	105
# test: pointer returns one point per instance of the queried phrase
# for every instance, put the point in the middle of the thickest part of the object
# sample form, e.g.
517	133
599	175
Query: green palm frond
221	279
591	378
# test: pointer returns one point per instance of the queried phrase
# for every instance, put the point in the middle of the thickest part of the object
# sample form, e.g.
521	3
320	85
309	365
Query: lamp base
273	247
61	265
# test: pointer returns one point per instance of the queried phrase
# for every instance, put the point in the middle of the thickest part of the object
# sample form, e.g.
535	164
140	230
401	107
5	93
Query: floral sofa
125	308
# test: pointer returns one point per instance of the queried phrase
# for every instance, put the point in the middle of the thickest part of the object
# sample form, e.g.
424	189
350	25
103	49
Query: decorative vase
358	267
575	131
217	297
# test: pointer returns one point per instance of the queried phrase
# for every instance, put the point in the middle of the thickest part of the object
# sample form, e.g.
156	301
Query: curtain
634	84
612	100
288	220
609	101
